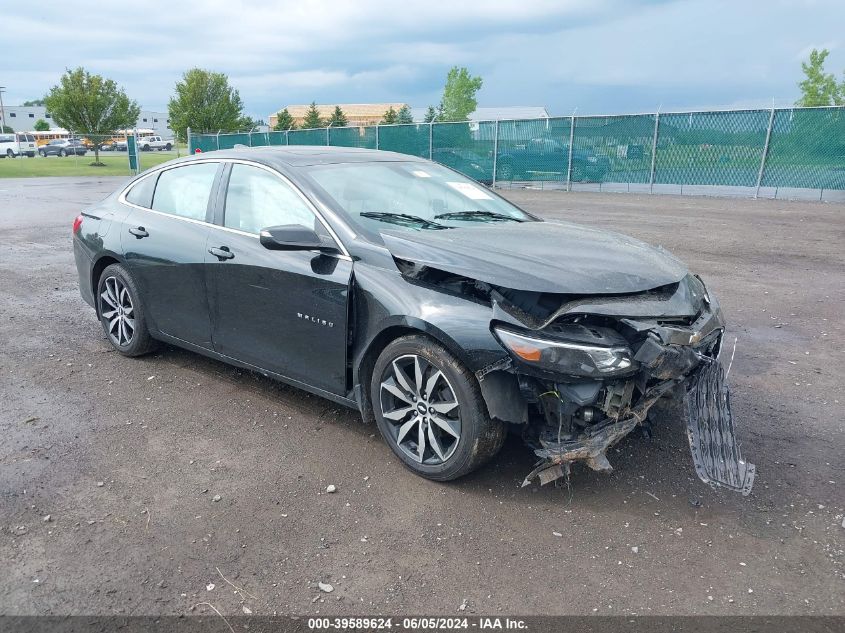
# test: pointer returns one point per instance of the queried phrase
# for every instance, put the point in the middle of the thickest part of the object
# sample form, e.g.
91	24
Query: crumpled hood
554	257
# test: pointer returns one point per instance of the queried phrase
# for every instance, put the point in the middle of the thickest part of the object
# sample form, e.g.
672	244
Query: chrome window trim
122	198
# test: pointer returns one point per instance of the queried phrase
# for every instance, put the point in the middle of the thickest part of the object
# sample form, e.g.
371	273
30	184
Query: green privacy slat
307	137
613	149
806	147
353	137
533	149
466	147
406	139
711	148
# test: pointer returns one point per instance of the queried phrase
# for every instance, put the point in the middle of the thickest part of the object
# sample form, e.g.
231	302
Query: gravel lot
126	457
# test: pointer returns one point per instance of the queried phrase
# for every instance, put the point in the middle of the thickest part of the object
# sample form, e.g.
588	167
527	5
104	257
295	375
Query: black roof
299	155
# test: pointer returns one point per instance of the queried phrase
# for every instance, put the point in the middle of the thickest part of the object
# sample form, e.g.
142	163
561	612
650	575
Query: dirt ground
126	457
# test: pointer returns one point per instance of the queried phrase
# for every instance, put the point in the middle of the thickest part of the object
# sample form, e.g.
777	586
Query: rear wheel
121	312
168	147
505	170
429	410
62	153
10	153
42	153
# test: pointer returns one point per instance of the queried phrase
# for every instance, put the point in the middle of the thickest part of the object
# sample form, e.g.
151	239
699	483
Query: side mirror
294	237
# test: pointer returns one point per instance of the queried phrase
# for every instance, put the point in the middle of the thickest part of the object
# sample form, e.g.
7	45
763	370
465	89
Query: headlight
577	359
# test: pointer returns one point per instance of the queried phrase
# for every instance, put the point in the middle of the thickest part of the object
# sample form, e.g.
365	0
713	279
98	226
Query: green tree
389	117
459	94
7	129
33	103
205	102
430	114
312	118
404	115
338	118
284	121
819	88
92	106
41	126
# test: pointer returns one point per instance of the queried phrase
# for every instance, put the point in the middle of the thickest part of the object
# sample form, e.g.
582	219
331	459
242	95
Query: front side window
184	191
257	199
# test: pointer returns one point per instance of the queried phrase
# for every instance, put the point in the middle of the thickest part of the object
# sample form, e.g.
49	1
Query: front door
164	245
282	311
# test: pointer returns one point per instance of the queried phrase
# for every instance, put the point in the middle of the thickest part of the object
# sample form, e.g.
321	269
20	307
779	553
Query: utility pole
2	111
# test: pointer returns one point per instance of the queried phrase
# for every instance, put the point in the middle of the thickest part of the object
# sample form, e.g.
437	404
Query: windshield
411	196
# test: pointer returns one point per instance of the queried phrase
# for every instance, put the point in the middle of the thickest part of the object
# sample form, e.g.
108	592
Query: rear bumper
83	268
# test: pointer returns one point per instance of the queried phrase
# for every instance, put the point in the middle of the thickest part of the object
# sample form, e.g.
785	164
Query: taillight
77	224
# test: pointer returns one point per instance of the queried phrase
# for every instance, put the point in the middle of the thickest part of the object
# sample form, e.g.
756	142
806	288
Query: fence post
765	152
250	138
376	135
653	152
569	163
287	140
188	134
495	151
328	127
218	139
430	139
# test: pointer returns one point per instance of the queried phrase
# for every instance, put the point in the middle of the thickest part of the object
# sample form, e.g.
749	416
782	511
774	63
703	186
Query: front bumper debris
710	428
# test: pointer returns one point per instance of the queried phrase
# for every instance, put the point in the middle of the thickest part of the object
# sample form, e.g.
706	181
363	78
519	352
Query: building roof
503	113
352	110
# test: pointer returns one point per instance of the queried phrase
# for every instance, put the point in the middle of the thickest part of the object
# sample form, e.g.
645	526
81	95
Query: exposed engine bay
584	370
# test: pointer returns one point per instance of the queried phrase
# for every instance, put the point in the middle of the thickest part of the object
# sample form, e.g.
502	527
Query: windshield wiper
475	215
402	218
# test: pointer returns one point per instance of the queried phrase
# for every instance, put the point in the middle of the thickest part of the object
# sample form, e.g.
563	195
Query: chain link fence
790	152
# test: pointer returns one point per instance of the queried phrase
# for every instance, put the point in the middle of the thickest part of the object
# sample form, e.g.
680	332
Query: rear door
282	311
164	245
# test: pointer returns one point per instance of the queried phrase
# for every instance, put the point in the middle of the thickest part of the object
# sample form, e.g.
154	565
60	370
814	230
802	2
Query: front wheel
430	411
10	153
121	312
168	147
62	153
42	154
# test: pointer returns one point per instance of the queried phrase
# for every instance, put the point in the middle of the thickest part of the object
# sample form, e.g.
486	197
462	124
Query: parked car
63	147
12	145
540	156
403	289
477	167
149	143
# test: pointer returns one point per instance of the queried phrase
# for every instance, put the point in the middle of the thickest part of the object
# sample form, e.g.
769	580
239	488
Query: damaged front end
584	374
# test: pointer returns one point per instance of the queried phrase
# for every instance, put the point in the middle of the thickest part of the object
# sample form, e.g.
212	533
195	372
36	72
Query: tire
168	147
117	291
145	148
457	439
10	153
42	153
578	173
504	171
62	153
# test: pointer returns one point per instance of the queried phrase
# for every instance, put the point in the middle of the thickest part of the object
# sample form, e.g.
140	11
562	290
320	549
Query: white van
12	145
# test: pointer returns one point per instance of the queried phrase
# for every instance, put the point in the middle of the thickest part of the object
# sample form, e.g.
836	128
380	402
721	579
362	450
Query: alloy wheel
117	309
421	409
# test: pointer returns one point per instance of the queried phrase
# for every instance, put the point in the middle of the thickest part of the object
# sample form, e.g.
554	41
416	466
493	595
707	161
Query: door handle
139	232
221	253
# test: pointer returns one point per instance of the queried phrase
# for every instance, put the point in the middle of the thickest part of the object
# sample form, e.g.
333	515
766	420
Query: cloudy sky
599	56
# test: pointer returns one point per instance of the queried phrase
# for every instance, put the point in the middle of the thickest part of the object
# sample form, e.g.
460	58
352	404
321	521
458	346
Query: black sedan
63	147
403	289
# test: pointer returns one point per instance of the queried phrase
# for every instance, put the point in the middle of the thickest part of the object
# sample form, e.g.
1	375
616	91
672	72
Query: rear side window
184	191
141	192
